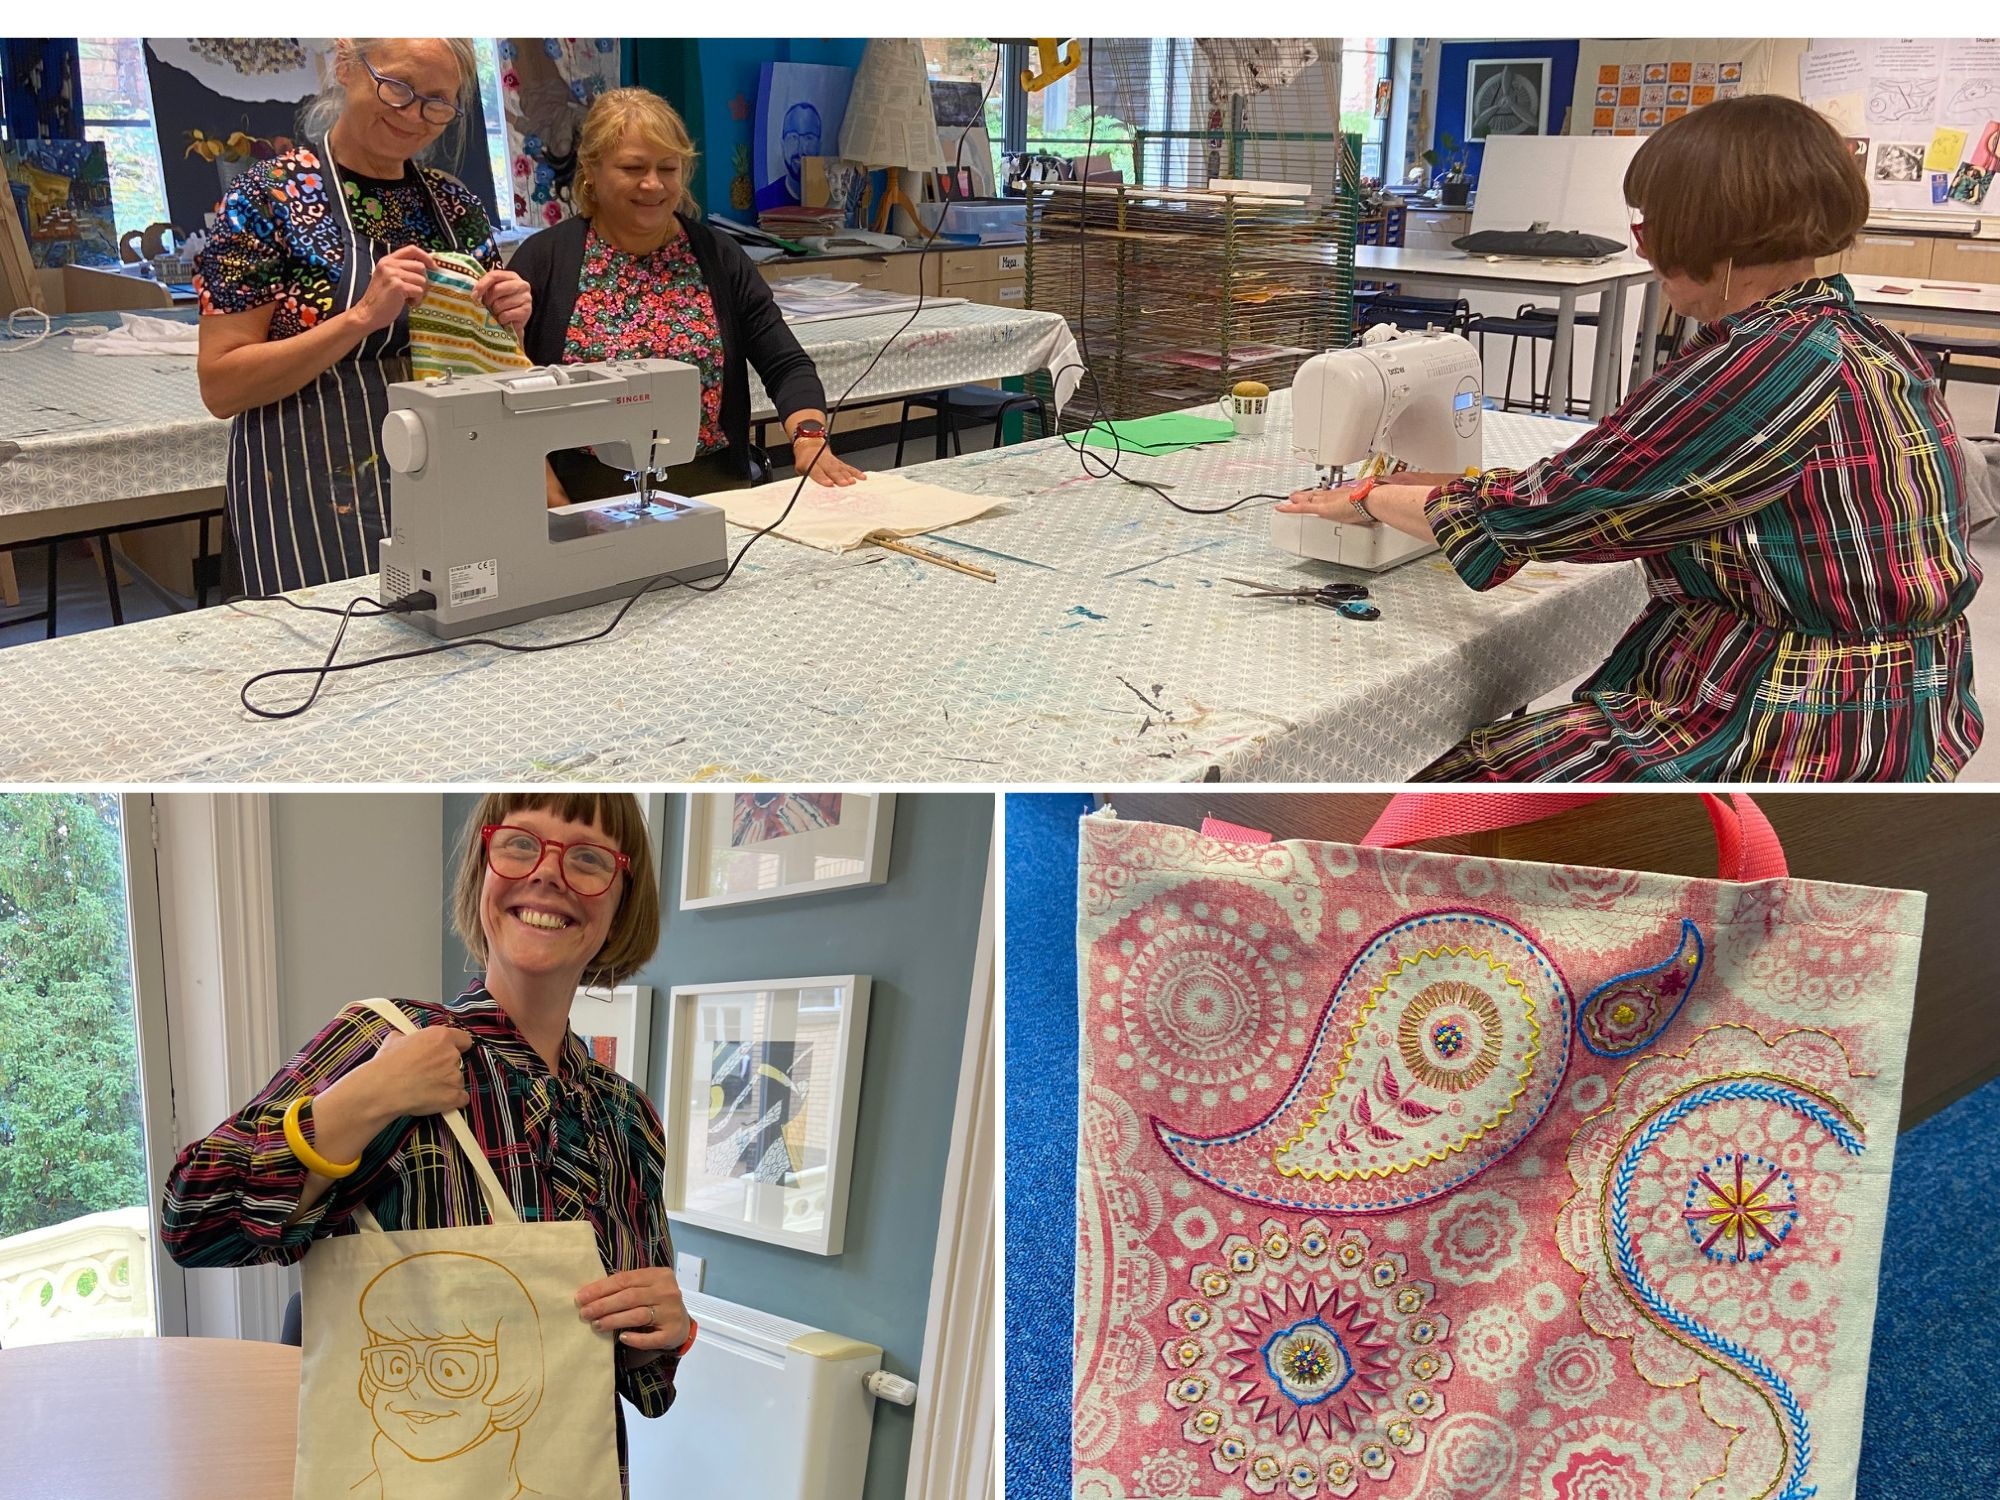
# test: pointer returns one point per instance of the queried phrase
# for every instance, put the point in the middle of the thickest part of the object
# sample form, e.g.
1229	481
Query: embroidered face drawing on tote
445	1389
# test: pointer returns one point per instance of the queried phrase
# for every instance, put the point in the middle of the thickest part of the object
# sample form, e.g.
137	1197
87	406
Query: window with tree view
1365	96
75	1220
118	110
957	59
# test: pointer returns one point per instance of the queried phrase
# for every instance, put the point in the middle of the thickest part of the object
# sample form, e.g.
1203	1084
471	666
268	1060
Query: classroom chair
978	403
1939	348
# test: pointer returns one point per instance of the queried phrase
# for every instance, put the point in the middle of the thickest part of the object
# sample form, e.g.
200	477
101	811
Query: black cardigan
551	262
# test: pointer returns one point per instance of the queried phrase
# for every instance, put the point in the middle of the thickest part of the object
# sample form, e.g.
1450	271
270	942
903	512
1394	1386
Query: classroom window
75	1209
971	60
1365	96
1094	110
118	110
493	107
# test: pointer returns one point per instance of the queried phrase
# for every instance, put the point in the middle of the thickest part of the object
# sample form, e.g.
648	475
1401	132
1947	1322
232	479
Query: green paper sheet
1164	433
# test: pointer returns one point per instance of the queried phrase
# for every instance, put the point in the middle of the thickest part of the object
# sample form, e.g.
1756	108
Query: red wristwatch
810	427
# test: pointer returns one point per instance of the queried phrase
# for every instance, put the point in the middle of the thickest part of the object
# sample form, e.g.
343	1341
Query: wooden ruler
924	554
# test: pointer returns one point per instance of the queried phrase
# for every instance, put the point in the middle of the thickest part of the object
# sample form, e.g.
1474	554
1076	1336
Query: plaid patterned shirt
578	1143
1791	485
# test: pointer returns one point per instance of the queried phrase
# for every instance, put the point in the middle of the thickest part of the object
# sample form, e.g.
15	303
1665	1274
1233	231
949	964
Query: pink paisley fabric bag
1416	1175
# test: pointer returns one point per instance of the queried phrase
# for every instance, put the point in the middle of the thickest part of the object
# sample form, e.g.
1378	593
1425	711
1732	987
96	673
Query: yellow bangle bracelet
311	1159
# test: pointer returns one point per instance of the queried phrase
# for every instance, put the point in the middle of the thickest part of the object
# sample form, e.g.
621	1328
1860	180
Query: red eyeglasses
515	853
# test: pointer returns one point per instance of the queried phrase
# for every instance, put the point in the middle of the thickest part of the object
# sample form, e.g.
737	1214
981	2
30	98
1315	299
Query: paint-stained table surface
1109	649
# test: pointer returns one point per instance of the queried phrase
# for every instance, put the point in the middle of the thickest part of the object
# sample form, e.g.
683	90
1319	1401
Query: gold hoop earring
1728	270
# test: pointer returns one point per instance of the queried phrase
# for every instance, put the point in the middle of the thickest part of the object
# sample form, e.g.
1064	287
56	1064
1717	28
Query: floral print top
653	306
279	239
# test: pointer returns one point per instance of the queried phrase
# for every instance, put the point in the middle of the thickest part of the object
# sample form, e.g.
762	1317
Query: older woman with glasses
553	891
1791	483
306	284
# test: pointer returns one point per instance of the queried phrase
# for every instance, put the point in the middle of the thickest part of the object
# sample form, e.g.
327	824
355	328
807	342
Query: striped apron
307	495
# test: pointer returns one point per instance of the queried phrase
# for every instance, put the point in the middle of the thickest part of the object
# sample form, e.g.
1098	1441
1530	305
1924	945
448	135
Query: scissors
1350	599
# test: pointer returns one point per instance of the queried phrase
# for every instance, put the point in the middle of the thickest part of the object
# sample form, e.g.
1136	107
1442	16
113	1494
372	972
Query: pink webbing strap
1747	847
1232	833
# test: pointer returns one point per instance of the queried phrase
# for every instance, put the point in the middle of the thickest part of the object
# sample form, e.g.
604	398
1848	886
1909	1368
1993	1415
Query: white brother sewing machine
468	500
1415	396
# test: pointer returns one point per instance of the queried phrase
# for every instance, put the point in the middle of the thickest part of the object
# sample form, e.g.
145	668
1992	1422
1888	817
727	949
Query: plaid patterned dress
578	1143
1791	484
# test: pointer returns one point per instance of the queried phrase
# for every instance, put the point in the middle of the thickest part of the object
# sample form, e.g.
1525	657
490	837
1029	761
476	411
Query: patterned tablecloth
84	427
1108	650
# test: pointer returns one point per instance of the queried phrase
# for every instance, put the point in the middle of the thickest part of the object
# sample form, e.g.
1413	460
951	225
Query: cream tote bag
449	1363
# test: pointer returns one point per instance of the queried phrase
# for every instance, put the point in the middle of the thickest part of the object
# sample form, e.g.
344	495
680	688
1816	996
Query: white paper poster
1922	116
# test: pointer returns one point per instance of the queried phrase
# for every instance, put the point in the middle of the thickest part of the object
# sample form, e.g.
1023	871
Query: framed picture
1508	96
615	1025
758	846
763	1082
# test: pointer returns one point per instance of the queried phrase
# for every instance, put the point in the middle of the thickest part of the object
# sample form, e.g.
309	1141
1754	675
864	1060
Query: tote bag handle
497	1202
1747	847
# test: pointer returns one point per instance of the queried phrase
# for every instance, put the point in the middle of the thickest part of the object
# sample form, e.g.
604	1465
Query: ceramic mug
1247	405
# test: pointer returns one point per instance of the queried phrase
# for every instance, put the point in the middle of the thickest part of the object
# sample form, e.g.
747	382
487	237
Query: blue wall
915	937
1450	116
717	82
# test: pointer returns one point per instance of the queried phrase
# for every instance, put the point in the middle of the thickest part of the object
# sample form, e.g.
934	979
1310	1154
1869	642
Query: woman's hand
418	1073
810	455
1333	505
397	284
507	297
644	1308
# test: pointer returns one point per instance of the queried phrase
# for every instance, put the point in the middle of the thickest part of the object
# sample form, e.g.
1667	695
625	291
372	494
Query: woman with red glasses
554	891
1791	483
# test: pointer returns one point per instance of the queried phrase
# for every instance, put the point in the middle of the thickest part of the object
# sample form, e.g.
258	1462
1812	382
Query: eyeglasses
454	1367
587	869
399	95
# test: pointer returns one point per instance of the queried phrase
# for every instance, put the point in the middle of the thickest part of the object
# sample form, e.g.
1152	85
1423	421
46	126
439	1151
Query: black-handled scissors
1349	599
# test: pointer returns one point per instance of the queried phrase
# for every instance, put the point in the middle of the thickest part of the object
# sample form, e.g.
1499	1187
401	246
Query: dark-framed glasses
515	853
454	1367
399	95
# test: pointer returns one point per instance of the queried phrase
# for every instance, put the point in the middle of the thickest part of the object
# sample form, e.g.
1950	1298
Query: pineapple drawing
742	196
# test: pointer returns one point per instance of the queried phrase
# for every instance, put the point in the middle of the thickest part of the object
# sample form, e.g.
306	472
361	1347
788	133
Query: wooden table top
148	1419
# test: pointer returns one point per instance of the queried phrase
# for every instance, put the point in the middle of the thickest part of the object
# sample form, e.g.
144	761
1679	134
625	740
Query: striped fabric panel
452	332
1791	486
580	1143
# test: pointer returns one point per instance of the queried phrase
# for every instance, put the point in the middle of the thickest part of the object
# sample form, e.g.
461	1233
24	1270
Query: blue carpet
1937	1326
1928	1434
1041	1137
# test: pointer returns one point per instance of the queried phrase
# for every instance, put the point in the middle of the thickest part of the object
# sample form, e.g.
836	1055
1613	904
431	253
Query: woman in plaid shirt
1791	484
553	891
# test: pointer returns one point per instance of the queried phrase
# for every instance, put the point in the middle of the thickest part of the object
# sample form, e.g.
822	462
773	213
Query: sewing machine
468	499
1416	396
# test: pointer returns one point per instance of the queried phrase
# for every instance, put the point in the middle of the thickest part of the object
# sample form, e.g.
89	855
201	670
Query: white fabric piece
143	336
839	518
1254	65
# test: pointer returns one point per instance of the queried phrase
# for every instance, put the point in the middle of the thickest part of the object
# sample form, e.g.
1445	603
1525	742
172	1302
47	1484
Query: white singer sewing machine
1416	396
468	500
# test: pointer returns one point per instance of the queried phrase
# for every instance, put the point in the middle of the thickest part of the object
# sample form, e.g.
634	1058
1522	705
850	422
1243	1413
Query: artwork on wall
40	88
61	192
800	107
1639	98
547	84
762	1088
758	846
1897	161
1506	96
284	68
615	1026
246	94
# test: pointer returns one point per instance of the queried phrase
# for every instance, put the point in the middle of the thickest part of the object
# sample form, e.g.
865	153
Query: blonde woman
306	285
635	275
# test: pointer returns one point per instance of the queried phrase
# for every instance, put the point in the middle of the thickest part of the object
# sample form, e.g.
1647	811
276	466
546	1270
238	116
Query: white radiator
764	1407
